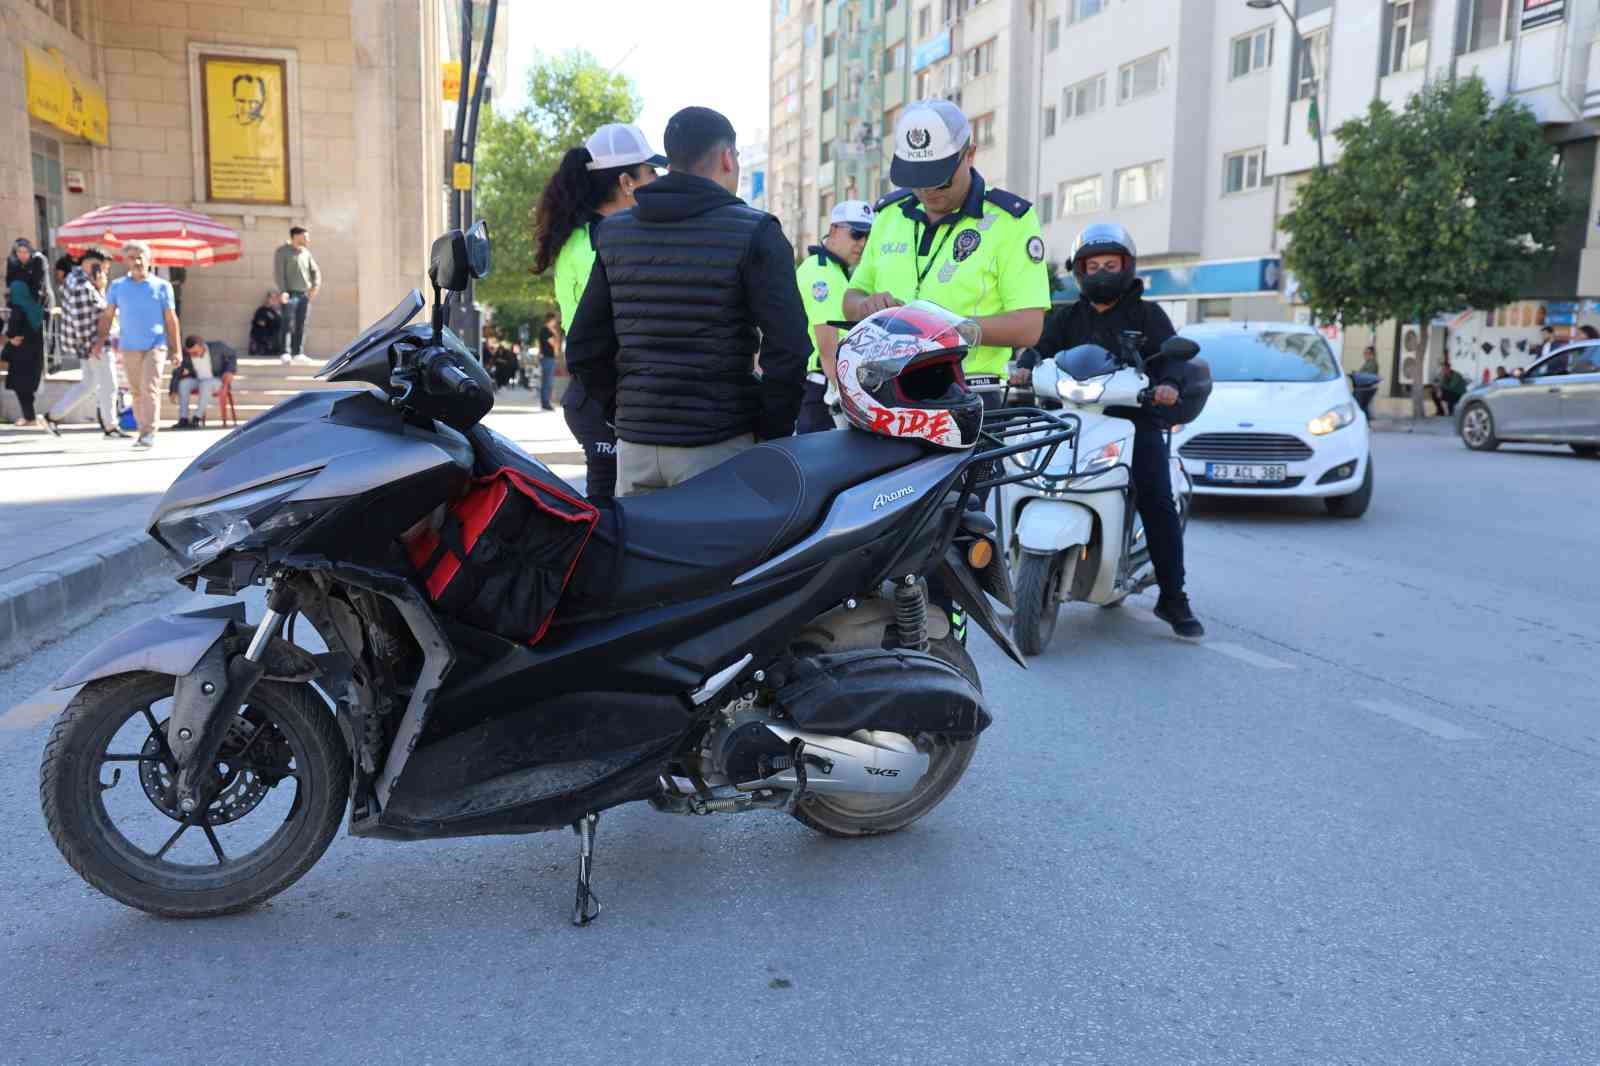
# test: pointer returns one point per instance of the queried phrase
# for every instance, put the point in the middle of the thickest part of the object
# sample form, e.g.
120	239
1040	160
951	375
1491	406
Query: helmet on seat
900	375
1104	238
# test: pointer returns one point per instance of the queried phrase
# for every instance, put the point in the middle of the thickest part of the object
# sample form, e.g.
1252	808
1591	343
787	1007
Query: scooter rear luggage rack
1013	431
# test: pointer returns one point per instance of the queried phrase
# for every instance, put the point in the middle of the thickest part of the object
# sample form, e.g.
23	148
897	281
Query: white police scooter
1074	532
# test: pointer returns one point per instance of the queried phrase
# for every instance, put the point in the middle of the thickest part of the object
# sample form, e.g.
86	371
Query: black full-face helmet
1105	238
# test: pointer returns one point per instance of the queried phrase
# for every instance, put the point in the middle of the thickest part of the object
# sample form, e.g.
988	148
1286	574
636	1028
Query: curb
36	606
1428	427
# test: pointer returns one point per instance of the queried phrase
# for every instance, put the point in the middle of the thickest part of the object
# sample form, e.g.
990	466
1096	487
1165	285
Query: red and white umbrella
177	238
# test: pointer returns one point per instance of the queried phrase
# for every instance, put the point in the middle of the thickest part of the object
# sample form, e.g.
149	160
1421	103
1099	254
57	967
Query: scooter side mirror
1179	348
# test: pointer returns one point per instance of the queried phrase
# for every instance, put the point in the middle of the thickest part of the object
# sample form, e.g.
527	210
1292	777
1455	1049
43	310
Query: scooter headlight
1071	390
1328	421
200	533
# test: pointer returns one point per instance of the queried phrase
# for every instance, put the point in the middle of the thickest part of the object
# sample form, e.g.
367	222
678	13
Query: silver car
1556	402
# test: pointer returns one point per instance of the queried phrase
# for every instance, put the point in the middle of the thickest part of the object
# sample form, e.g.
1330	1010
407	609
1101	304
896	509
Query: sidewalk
76	508
1432	426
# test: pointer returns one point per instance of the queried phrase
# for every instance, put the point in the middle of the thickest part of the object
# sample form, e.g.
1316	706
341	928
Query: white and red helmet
900	375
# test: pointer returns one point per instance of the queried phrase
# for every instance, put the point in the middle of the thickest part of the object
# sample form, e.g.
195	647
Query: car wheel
1477	429
1588	451
1355	504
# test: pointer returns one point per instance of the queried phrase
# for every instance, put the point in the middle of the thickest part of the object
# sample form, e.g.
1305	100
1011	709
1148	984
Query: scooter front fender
1050	526
169	644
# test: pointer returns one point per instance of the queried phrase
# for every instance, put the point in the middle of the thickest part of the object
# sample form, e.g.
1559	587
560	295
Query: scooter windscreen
360	360
1086	361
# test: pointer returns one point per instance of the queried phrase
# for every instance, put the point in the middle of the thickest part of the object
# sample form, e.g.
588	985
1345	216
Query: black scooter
756	638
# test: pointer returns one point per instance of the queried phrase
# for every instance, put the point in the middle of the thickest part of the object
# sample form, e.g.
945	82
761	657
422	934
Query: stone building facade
365	138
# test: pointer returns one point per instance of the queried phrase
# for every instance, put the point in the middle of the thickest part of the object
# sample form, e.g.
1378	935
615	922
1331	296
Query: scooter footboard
898	690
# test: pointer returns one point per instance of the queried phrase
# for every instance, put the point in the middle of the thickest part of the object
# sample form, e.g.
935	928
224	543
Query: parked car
1282	420
1556	401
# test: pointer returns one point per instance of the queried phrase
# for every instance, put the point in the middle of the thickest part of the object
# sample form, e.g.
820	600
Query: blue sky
679	52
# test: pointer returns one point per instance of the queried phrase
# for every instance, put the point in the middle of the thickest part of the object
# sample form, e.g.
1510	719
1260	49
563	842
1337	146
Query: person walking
148	331
823	276
550	339
687	288
594	181
207	367
947	237
83	300
298	278
24	348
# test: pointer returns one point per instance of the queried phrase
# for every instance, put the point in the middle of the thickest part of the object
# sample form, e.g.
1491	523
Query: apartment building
842	71
1188	121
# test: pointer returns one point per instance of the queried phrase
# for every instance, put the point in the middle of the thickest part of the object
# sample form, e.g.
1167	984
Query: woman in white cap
594	180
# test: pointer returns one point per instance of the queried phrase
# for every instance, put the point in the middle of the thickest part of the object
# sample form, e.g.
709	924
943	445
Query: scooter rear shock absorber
911	613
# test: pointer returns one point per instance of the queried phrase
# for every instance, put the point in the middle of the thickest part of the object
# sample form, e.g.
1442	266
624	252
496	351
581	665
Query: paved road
1356	826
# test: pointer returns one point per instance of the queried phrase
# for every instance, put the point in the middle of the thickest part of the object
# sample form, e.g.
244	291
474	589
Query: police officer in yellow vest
824	276
947	237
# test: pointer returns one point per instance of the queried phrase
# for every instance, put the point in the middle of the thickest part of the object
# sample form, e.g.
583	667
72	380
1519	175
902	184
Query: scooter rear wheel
277	794
850	816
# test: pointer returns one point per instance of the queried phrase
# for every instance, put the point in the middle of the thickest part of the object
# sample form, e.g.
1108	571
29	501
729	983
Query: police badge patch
967	242
1036	249
819	291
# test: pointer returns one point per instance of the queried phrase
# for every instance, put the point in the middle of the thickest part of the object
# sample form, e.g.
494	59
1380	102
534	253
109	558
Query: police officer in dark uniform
1104	262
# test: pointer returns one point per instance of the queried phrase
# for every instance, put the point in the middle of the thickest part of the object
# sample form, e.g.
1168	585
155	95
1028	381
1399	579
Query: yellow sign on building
246	129
60	95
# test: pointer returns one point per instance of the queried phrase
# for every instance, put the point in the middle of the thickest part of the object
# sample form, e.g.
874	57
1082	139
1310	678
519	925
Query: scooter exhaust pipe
870	762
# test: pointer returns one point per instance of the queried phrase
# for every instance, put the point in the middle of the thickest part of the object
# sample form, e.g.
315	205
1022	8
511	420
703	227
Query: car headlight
1105	458
1328	421
1072	390
200	533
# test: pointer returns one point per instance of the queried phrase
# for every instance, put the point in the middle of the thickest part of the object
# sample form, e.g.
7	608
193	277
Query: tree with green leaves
569	97
1453	203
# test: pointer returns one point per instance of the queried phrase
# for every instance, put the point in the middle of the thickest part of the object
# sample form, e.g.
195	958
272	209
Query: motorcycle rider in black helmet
1104	262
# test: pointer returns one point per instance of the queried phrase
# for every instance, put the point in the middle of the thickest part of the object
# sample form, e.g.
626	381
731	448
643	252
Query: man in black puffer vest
686	288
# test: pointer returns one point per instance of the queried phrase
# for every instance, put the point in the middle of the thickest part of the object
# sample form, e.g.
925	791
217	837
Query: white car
1281	421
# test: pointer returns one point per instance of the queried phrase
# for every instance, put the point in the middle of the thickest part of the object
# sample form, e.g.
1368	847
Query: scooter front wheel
274	798
1038	600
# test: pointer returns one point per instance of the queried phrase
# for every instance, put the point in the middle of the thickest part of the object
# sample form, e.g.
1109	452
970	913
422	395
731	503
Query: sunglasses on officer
859	234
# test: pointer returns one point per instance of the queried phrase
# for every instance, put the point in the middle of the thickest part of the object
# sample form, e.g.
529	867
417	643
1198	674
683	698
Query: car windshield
1269	355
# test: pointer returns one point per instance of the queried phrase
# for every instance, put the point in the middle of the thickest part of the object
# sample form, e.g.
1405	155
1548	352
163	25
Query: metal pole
458	143
469	150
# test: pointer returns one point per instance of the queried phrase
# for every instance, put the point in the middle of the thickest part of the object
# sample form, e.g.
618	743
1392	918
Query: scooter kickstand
587	908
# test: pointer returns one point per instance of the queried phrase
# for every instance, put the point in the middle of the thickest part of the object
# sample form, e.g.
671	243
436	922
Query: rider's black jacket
1079	323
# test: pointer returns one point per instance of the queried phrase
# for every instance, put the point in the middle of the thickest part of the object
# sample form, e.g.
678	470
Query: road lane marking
1419	720
1246	655
39	709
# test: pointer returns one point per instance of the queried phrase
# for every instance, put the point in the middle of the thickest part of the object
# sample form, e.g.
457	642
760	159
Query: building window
1215	310
1251	53
825	155
1052	35
890	5
894	58
830	44
1081	196
978	61
1078	10
1050	122
925	22
1491	24
783	9
1310	60
1407	39
1243	171
924	83
827	99
1047	209
1140	184
1084	98
983	131
1142	77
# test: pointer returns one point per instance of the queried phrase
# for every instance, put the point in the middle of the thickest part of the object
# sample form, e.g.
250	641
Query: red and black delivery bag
502	557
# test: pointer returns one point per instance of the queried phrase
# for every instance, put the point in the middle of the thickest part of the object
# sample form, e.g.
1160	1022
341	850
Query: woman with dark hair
24	347
594	180
1589	333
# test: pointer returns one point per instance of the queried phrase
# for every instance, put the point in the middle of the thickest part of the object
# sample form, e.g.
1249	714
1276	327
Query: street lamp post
1311	64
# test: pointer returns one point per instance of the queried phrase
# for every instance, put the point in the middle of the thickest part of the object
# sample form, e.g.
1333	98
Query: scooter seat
693	538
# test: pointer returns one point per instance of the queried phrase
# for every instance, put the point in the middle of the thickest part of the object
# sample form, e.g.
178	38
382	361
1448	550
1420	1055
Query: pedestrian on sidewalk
207	368
687	289
83	301
148	328
24	348
298	278
27	266
595	180
266	327
1369	360
550	342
